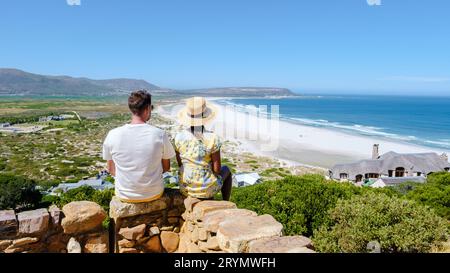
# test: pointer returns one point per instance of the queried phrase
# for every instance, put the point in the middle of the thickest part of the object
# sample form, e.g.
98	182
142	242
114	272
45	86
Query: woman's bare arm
216	165
179	159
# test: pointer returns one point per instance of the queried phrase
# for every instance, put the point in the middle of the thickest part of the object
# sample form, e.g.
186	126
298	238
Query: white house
246	179
98	184
393	181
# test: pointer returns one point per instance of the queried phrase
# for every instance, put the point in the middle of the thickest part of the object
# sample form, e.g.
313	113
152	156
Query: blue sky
400	46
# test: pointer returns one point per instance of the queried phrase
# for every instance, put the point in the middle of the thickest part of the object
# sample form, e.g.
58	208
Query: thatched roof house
392	164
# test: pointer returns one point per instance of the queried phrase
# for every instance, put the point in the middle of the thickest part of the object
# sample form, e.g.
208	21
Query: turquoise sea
419	120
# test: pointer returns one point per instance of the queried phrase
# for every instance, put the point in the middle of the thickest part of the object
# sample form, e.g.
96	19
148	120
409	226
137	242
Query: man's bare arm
165	165
111	167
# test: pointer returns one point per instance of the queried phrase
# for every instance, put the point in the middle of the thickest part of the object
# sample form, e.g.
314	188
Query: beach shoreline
291	143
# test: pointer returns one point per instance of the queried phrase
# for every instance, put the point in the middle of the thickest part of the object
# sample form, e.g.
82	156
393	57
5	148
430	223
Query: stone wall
169	224
74	229
175	224
147	227
220	227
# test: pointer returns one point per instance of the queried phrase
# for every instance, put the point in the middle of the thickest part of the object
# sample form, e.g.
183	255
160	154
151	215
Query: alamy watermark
73	2
374	2
257	125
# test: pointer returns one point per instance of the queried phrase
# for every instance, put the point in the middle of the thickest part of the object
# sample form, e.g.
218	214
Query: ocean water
419	120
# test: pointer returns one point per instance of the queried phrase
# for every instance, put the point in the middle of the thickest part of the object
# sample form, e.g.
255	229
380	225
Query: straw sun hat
197	112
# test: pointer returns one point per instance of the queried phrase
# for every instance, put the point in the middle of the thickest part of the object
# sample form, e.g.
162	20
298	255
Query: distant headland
14	82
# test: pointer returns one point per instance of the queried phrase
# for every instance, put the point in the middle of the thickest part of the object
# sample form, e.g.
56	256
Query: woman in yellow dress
198	153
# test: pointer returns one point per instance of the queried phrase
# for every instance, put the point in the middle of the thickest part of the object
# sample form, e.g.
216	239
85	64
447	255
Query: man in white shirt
138	153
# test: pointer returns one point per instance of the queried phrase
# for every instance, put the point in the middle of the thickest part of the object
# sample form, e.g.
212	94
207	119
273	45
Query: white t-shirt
137	151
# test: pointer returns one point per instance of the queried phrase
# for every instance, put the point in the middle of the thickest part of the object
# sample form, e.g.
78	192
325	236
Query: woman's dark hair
138	101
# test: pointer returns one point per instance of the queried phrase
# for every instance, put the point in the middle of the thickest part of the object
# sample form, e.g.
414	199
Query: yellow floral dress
196	176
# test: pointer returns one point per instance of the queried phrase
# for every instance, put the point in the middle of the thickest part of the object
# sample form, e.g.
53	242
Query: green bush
300	203
2	164
399	225
17	192
87	193
435	193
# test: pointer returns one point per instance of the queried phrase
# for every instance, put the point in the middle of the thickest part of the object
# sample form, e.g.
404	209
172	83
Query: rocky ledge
169	224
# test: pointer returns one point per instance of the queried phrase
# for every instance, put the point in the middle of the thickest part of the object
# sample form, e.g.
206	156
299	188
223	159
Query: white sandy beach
295	143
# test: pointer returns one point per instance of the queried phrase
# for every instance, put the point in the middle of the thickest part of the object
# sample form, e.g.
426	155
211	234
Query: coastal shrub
398	225
2	164
435	193
300	203
403	188
17	192
87	193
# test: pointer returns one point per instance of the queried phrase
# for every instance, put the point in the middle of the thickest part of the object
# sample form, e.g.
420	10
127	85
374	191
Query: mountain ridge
15	82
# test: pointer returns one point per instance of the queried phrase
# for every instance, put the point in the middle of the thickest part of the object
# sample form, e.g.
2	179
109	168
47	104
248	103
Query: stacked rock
82	222
148	227
218	226
75	229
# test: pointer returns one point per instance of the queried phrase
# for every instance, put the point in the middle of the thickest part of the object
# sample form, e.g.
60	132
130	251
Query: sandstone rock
4	244
187	216
82	216
189	202
287	244
194	235
124	243
193	248
119	209
56	216
153	245
73	246
183	243
8	223
97	244
303	250
57	243
176	230
134	233
128	250
190	226
142	241
150	219
169	241
24	241
33	221
212	219
212	243
29	248
234	234
202	246
216	251
209	245
153	231
167	228
202	234
201	208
